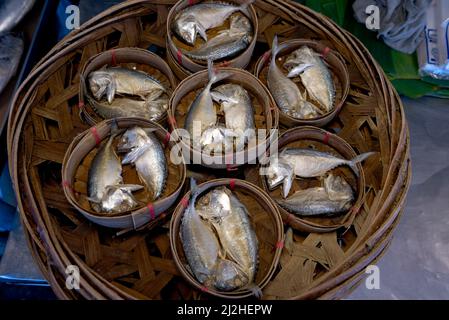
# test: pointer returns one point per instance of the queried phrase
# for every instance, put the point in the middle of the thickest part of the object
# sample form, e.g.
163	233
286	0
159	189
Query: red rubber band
81	104
289	218
231	168
266	57
326	138
167	139
325	52
280	245
191	2
151	211
185	202
179	56
67	184
204	289
113	58
232	184
96	136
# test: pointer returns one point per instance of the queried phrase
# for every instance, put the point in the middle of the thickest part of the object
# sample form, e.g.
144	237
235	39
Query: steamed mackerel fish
202	111
217	138
201	246
228	43
286	93
231	222
122	81
106	191
11	49
335	197
199	18
314	74
306	163
239	112
146	153
125	107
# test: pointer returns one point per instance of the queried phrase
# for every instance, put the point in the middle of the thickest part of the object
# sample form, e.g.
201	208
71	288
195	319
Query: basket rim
339	63
175	223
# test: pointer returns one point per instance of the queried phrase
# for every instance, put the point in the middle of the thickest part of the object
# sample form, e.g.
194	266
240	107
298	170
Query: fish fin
296	71
276	48
135	154
215	75
93	200
287	183
244	7
220	97
201	31
130	187
361	157
111	89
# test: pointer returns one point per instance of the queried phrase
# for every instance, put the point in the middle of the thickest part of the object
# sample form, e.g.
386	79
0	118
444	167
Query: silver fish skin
227	44
200	244
147	155
239	112
314	75
307	163
334	198
12	12
125	107
231	221
286	93
202	110
122	81
11	50
217	139
279	173
104	178
201	17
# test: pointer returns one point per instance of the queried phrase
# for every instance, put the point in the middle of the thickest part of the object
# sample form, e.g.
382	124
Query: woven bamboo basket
265	116
337	68
267	224
77	162
132	58
174	45
139	264
321	140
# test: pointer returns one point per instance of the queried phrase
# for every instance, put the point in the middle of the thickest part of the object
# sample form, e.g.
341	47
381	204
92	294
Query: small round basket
77	162
336	66
183	63
267	224
131	58
266	117
321	140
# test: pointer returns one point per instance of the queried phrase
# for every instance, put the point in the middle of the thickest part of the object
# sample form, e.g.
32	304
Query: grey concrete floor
416	266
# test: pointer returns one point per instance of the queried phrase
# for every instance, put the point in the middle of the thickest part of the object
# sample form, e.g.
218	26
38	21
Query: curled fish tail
360	158
214	74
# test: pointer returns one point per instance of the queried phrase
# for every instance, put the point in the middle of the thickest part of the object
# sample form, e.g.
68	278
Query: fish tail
276	48
214	74
362	157
244	7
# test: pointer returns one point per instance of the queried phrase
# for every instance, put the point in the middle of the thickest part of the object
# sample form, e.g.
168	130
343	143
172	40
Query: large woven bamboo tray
137	264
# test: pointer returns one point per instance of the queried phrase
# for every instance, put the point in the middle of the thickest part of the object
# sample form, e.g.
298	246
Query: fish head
186	27
230	276
131	139
99	83
117	200
277	173
338	188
